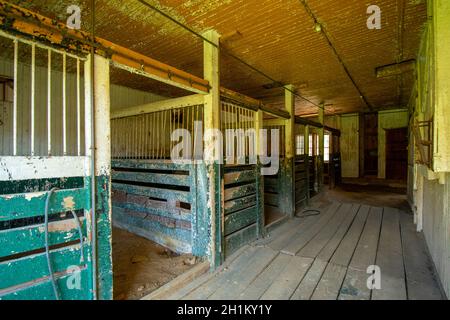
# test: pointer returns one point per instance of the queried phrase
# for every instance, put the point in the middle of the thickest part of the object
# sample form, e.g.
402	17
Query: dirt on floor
372	195
141	266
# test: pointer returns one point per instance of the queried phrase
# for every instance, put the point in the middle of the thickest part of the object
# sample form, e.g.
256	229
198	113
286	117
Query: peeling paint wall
391	119
430	186
350	145
436	226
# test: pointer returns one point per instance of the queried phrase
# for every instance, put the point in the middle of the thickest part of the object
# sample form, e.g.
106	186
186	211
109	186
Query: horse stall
302	177
242	181
153	197
50	196
275	187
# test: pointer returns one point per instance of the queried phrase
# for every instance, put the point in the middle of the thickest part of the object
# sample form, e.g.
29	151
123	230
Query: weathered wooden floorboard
237	282
347	247
312	249
263	281
355	283
327	252
273	235
390	259
309	283
422	285
296	226
206	277
330	284
303	239
287	281
211	286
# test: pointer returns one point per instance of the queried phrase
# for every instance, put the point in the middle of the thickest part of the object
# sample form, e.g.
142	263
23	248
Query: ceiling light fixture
317	27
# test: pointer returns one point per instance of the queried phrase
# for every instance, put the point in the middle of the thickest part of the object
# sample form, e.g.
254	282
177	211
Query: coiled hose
47	246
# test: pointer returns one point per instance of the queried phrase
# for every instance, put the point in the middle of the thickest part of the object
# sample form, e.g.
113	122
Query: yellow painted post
441	34
308	193
259	125
321	132
289	173
214	181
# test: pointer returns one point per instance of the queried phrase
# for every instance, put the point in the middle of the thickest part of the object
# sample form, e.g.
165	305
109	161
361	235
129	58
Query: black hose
47	246
312	212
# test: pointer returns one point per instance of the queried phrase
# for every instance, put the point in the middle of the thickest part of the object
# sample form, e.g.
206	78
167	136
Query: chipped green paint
243	207
240	177
178	240
18	206
44	289
239	204
34	267
156	178
240	238
32	237
240	219
173	195
104	238
162	222
31	272
239	192
21	186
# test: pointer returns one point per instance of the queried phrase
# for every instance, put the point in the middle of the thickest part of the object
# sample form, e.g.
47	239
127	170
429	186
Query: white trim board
26	168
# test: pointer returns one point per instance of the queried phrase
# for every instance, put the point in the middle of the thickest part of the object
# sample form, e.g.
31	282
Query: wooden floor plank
237	282
312	249
277	232
329	285
366	249
207	289
390	259
303	239
347	247
260	285
355	282
206	277
309	283
327	251
284	239
422	285
355	286
285	284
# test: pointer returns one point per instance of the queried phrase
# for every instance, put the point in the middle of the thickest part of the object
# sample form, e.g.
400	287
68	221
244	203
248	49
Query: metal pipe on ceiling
145	3
334	50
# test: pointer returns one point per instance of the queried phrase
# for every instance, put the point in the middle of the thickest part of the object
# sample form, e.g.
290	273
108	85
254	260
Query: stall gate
243	193
46	235
275	186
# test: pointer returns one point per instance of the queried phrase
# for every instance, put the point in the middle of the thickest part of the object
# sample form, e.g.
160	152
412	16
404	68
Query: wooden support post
98	146
308	192
259	125
212	177
321	148
289	176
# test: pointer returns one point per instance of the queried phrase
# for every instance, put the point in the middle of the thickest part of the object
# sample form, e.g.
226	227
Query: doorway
371	144
397	154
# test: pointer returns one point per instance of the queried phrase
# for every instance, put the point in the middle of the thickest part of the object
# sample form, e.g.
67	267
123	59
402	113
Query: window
300	145
326	156
310	145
